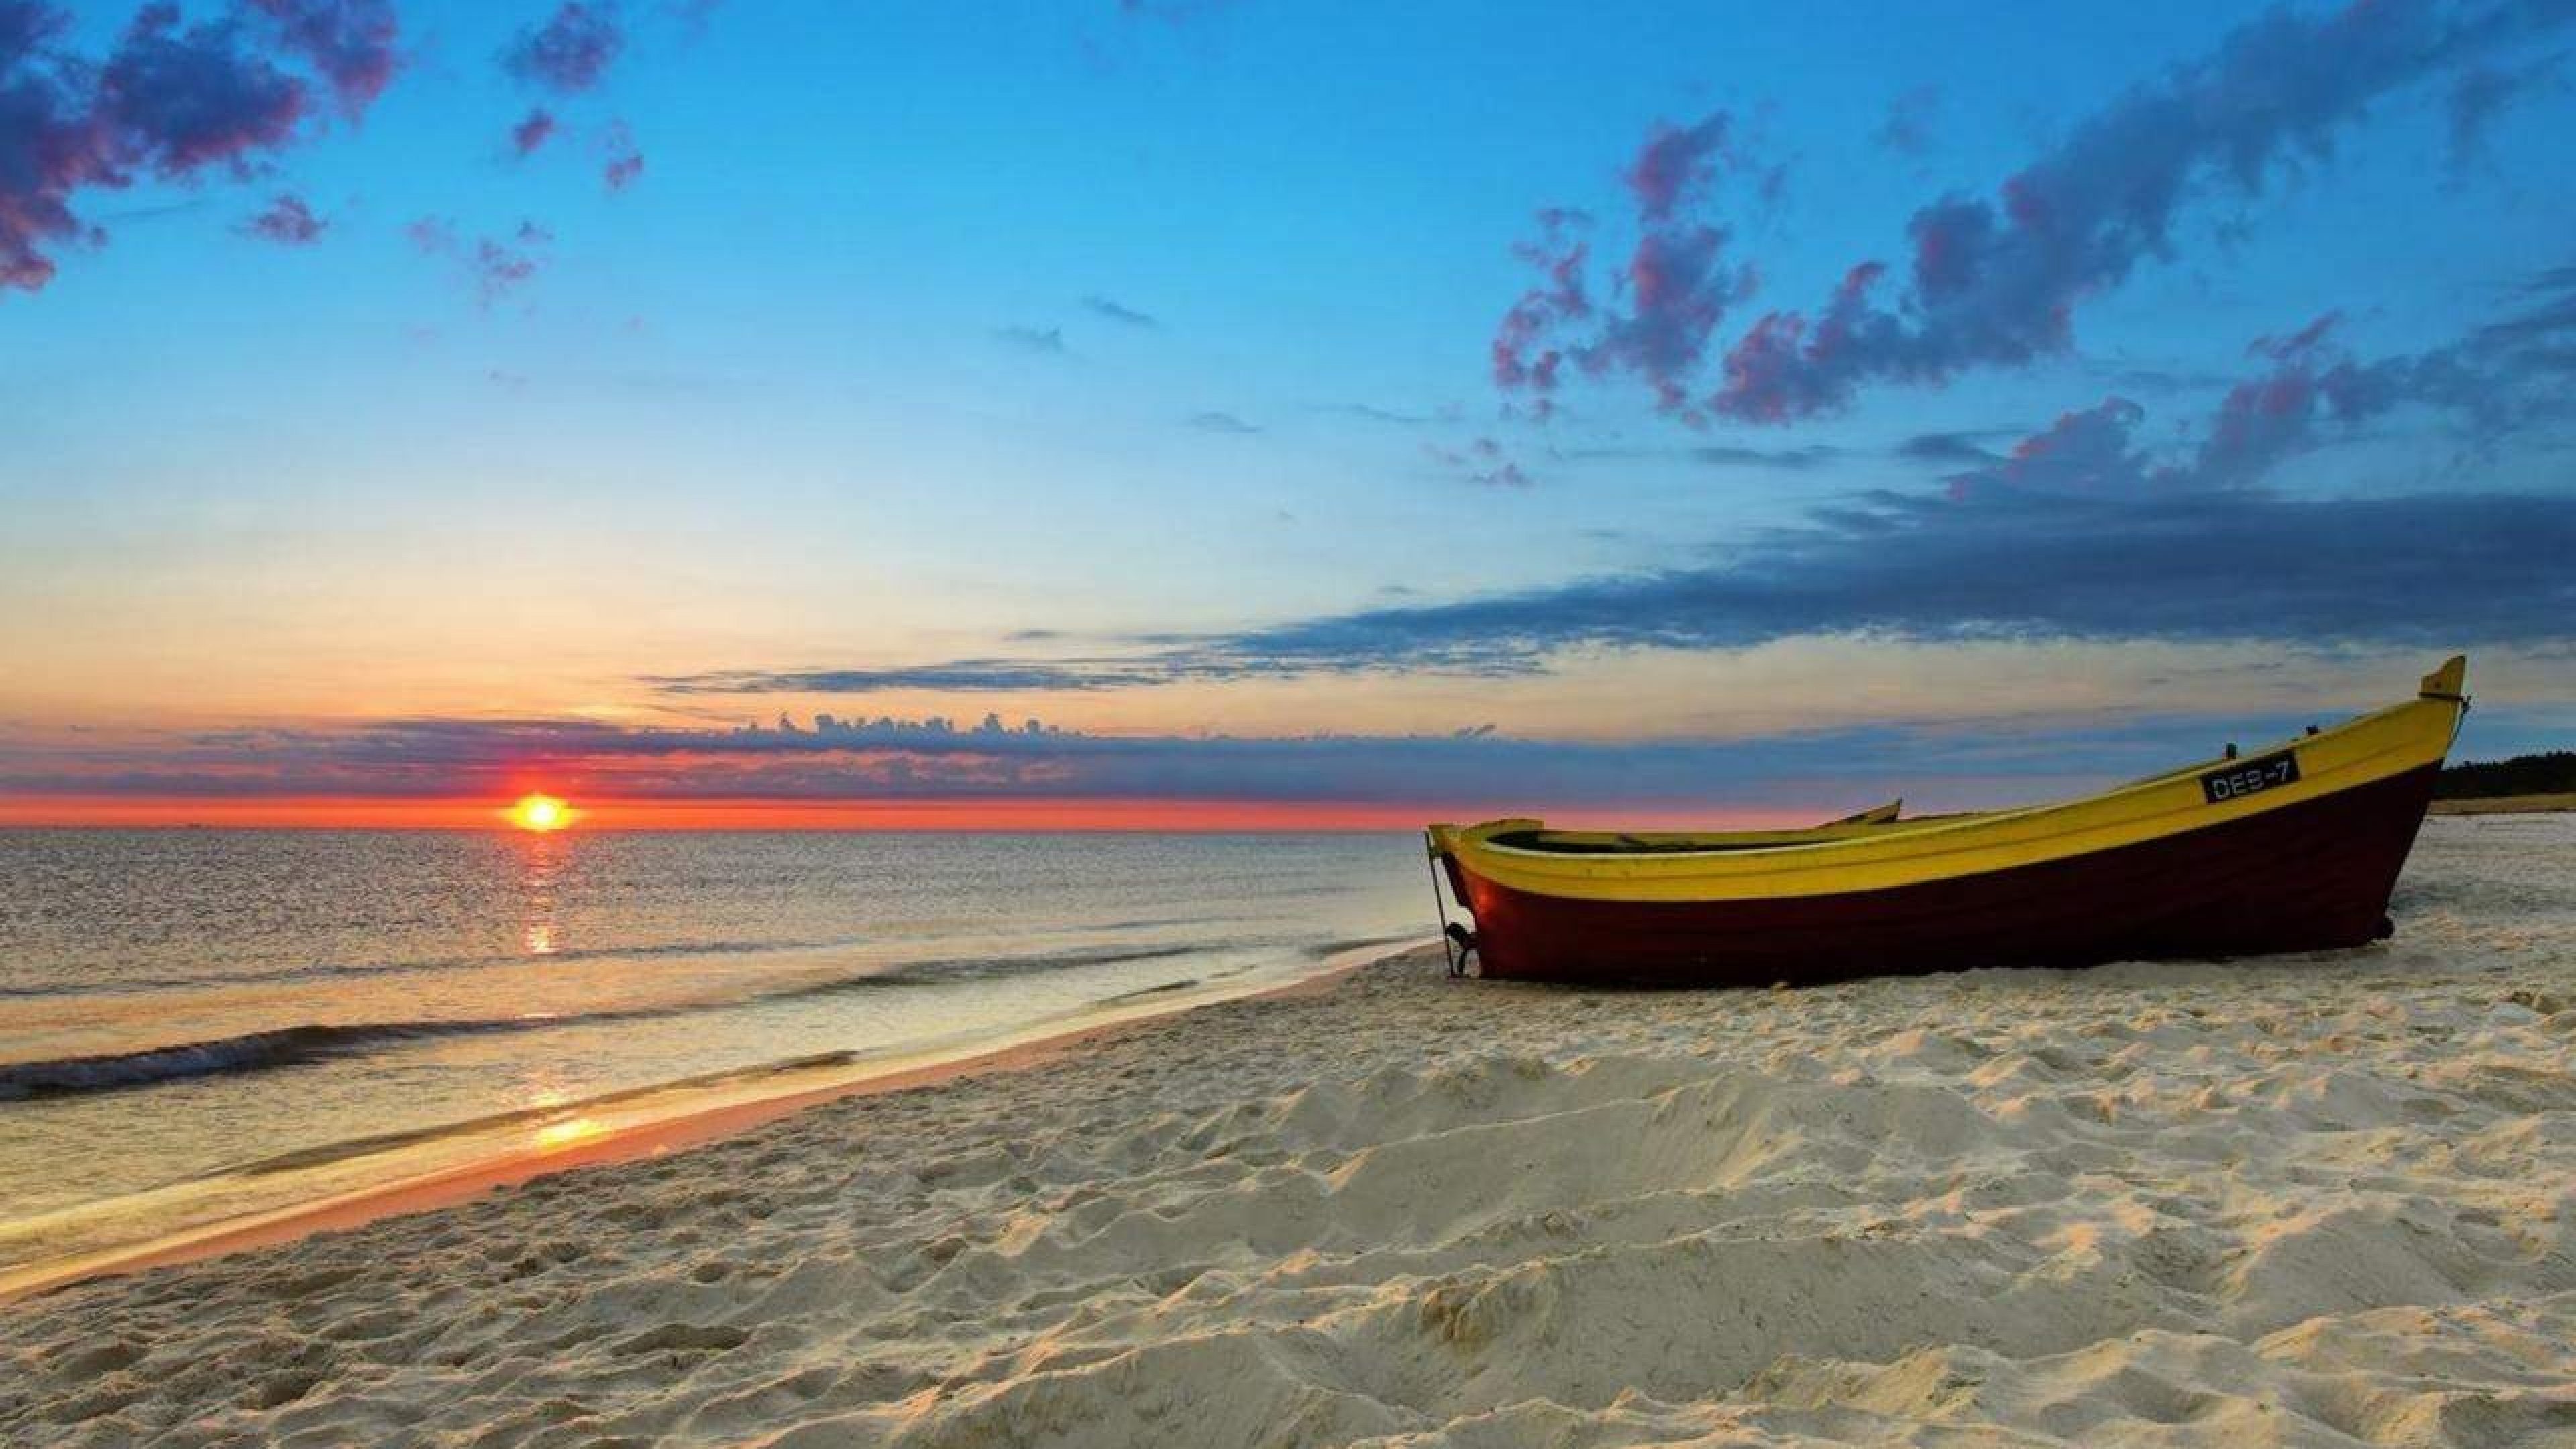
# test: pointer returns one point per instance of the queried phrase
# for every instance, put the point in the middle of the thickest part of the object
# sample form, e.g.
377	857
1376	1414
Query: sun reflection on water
557	1135
541	867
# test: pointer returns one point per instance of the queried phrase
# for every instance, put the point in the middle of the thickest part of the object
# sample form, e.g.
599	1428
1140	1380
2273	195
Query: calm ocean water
191	1007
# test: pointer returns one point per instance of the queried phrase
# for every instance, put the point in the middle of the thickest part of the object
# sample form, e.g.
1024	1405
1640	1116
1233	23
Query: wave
944	970
335	970
285	1046
313	1042
1141	992
1322	949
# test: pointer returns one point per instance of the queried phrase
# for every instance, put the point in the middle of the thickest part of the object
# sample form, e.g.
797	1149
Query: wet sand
417	1172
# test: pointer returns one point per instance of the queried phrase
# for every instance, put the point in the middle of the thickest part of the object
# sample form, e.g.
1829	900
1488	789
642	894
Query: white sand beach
2303	1201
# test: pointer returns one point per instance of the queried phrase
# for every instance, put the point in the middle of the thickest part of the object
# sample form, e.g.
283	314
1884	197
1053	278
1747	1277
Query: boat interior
1877	820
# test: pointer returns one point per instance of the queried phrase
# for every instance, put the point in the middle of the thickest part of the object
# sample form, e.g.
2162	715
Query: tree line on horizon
2547	773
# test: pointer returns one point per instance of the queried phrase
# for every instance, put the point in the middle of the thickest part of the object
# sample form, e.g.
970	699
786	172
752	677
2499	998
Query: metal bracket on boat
1465	941
1456	941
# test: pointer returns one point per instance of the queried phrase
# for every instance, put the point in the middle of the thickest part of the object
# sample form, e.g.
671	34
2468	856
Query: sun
540	813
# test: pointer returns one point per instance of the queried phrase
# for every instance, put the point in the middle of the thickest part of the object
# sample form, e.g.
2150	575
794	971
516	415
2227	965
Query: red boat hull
2306	877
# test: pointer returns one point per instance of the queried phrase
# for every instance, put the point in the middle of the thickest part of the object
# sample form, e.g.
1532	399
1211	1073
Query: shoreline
2557	803
715	1116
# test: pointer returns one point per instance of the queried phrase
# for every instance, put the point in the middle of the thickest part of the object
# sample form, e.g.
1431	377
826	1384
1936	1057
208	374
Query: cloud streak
1119	312
1474	769
1048	340
2420	571
2081	530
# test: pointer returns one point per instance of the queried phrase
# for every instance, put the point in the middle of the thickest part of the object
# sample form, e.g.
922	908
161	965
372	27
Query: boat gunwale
1925	849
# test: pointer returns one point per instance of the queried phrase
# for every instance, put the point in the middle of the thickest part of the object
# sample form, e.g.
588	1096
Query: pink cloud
496	266
351	43
177	101
571	51
1998	282
288	222
625	163
533	132
1677	281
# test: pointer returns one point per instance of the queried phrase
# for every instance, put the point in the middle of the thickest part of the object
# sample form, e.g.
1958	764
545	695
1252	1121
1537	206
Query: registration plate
2250	777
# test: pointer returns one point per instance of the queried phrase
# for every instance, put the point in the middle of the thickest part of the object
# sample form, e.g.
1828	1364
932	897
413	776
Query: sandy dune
2307	1202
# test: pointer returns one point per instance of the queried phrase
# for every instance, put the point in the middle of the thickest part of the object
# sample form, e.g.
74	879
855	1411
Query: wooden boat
2290	848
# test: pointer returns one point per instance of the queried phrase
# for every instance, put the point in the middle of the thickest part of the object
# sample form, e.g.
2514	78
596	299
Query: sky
1204	413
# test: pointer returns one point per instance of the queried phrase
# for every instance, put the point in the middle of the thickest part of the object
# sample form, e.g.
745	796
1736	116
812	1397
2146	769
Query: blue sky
1133	368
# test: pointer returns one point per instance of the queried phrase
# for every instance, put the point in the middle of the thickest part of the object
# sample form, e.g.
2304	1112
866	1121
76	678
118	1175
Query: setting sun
540	812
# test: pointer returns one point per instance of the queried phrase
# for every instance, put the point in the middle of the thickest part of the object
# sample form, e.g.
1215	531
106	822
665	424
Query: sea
198	1024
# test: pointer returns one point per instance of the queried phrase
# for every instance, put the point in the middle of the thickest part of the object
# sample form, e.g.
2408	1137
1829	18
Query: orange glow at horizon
750	813
540	813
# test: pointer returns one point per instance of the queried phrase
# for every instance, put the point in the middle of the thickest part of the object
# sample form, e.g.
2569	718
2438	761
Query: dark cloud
1033	339
1399	416
1907	131
1679	286
533	132
2169	381
1483	462
959	676
1789	460
571	51
2550	281
185	99
1948	448
432	235
2485	92
2426	570
1221	422
496	266
1676	165
49	145
177	101
1524	356
2502	377
1677	283
624	162
1116	311
1996	282
351	43
287	221
1802	459
2082	530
